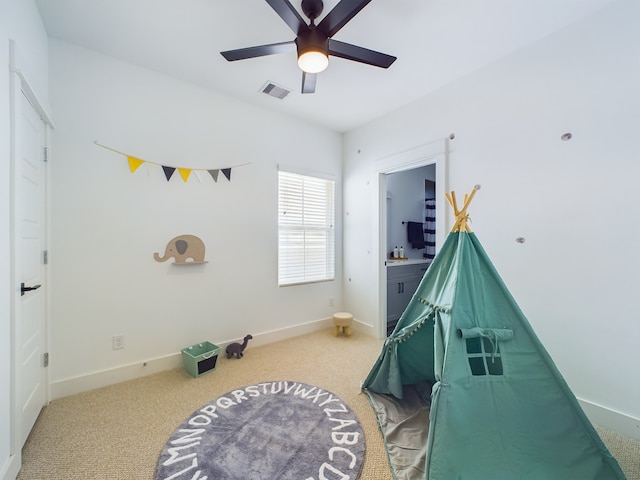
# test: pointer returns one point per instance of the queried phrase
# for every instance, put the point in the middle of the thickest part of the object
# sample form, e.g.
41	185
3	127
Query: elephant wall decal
182	248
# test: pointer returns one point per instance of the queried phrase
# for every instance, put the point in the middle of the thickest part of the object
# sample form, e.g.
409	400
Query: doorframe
19	85
435	153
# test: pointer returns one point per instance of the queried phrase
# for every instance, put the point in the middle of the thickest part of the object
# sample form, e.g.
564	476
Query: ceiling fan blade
360	54
259	51
340	15
289	14
309	82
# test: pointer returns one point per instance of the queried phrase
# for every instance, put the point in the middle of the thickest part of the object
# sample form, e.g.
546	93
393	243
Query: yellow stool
342	321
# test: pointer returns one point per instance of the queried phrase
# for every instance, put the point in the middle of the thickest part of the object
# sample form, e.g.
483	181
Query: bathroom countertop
408	261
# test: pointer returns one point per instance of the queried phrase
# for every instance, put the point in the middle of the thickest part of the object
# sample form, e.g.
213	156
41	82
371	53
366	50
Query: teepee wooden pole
461	215
455	204
451	198
467	200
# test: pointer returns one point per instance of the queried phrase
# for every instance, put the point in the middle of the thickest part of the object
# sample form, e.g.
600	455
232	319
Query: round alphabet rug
268	431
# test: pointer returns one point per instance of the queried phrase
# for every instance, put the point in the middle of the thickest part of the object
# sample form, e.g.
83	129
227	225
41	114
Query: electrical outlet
118	342
331	301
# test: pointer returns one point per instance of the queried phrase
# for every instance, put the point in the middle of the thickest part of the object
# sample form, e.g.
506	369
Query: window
306	237
484	356
484	351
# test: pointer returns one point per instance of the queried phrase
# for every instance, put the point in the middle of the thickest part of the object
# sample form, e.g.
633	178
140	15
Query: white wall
20	22
108	222
574	202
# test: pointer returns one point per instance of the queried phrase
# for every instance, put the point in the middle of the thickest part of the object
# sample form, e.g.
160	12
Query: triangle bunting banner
185	173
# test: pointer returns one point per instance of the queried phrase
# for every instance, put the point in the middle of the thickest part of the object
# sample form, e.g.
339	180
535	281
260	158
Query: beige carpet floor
118	432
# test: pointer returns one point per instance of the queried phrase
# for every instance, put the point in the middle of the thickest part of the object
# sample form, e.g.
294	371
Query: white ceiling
436	42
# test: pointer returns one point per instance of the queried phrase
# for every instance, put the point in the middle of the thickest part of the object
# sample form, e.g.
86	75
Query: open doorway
410	235
423	171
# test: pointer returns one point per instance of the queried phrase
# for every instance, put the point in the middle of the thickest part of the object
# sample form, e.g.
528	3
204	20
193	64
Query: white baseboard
11	468
365	328
285	333
611	420
103	378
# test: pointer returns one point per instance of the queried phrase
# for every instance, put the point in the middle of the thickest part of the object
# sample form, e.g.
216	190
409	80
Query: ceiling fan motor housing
312	40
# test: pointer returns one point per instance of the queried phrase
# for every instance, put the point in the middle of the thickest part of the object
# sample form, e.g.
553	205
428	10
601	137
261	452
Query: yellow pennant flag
134	163
184	173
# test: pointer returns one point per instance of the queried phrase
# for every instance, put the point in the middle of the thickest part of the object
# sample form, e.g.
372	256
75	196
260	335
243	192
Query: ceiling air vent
274	90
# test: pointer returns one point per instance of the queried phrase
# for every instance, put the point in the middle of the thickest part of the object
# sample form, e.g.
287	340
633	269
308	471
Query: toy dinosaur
237	348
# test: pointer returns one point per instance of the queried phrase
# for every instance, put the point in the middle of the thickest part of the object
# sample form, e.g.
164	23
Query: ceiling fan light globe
313	61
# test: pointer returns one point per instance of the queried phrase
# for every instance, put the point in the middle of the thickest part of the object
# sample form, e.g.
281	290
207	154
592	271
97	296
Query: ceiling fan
313	42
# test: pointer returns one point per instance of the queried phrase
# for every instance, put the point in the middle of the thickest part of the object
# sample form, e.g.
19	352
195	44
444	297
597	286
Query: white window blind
306	239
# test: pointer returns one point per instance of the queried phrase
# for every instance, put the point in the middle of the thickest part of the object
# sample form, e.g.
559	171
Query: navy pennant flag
227	173
168	171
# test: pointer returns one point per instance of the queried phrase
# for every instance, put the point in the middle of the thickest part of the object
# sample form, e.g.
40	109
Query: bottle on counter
396	252
401	251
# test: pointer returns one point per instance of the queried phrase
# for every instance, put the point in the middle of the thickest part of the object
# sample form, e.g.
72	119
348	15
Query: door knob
27	289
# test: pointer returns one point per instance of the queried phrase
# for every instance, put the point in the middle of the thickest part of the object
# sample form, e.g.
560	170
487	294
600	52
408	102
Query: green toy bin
200	358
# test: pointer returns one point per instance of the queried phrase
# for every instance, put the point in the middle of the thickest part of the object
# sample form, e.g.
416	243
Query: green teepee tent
464	390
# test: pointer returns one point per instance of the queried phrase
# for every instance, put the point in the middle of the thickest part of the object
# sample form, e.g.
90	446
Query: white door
30	229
